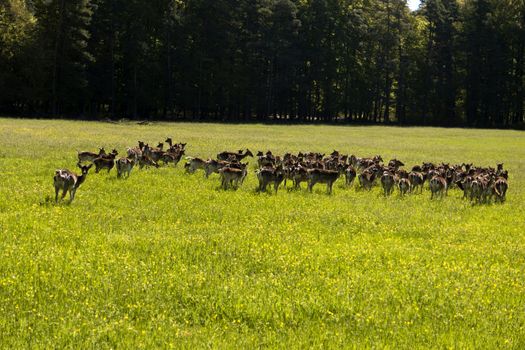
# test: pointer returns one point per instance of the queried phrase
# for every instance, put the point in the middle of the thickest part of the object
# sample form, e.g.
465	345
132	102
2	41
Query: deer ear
79	165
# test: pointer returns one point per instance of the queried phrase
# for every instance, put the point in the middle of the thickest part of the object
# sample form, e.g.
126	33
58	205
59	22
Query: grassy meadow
167	260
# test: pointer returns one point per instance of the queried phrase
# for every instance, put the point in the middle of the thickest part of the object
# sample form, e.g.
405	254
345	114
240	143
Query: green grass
165	259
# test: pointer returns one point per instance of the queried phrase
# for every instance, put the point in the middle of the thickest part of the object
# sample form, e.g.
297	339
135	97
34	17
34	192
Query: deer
438	186
367	177
90	156
395	164
350	175
299	174
145	161
269	175
466	185
68	181
105	162
500	189
213	166
172	157
404	186
154	153
387	181
124	166
193	164
416	181
322	176
234	156
265	159
232	176
134	153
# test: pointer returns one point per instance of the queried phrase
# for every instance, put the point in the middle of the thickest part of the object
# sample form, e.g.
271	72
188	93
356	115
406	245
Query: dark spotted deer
154	153
404	186
270	175
395	164
327	177
387	182
124	166
416	181
299	174
90	156
194	164
350	175
134	153
265	159
500	189
68	181
213	166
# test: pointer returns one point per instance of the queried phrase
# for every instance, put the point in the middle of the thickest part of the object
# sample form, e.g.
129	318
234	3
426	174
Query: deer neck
80	180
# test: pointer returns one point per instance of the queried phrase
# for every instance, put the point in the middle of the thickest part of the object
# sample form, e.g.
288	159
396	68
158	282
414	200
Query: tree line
450	63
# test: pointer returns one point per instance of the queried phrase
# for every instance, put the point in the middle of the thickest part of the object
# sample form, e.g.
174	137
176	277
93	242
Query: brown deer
438	186
90	156
234	156
322	176
145	161
269	175
105	162
230	177
154	153
367	178
68	181
172	157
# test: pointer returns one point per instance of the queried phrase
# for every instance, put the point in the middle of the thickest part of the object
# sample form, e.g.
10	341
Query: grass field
165	259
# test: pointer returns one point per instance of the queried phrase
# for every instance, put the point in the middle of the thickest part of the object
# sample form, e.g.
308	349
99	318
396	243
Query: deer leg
311	185
72	194
57	189
64	191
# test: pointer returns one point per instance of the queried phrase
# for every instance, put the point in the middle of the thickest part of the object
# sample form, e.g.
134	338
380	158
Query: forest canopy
450	63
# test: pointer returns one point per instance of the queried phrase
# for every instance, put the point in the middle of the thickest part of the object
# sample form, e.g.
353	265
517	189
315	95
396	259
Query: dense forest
452	62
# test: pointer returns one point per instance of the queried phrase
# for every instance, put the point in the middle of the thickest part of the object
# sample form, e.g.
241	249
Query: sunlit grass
166	259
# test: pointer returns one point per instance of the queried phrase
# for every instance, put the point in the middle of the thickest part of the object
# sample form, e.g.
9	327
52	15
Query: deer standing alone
68	181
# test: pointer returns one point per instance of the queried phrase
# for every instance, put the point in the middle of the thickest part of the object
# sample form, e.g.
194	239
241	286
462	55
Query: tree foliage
449	63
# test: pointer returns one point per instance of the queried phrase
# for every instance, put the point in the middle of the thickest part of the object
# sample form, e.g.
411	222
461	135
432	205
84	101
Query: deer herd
478	184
